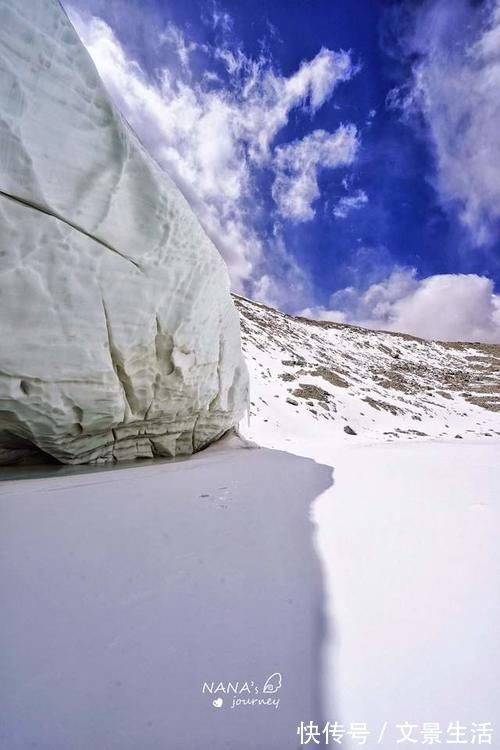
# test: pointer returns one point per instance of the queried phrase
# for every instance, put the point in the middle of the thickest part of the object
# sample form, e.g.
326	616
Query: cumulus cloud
446	307
455	86
214	134
297	166
350	203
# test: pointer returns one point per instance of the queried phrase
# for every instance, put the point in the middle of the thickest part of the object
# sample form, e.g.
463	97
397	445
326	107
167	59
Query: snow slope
313	379
119	335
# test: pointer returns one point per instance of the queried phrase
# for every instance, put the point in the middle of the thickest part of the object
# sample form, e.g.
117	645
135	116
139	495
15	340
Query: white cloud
447	307
456	87
297	166
217	18
173	36
349	203
290	286
269	98
213	139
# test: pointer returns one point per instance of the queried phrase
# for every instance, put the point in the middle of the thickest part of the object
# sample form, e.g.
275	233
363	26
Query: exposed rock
293	362
383	405
308	391
119	336
487	402
349	430
330	376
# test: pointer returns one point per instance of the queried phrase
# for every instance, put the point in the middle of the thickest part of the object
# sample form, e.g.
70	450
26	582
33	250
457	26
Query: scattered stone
459	437
330	376
309	392
349	430
491	403
383	405
292	401
417	387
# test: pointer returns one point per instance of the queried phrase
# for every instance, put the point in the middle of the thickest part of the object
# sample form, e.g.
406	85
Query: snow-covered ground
124	591
408	540
359	572
408	536
408	532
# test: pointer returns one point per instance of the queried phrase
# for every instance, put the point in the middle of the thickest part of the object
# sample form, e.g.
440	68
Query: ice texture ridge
118	335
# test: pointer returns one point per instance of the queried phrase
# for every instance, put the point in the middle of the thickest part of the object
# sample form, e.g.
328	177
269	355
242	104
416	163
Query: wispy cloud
174	37
217	18
350	203
215	134
455	87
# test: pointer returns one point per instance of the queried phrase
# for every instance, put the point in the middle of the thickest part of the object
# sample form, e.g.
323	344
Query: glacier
119	335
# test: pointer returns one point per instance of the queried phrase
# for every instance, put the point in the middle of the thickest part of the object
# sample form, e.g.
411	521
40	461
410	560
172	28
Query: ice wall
118	335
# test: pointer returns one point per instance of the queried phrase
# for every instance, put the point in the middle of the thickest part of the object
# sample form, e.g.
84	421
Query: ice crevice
76	227
118	366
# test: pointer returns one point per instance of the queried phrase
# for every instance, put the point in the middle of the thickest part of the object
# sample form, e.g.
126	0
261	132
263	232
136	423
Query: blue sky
344	155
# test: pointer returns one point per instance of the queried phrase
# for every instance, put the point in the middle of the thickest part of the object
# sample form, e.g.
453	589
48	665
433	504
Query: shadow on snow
132	598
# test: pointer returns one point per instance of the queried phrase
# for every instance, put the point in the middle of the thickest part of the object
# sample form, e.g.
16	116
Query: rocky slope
335	380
